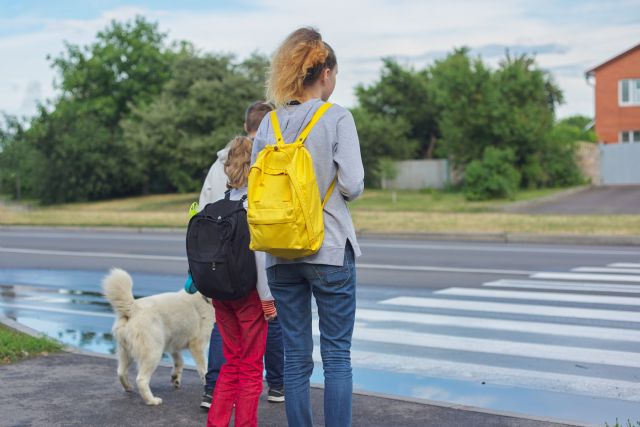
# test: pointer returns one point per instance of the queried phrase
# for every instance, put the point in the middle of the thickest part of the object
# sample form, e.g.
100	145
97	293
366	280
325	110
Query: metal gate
620	164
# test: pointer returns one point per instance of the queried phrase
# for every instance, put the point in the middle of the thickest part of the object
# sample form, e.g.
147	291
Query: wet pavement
70	389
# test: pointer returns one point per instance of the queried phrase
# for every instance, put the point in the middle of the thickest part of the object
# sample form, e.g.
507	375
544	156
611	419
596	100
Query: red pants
244	336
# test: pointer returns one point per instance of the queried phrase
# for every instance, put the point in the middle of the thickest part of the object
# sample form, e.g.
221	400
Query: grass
15	346
435	201
413	212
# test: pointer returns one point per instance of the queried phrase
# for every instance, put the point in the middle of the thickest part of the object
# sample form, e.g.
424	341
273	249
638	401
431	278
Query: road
541	329
601	200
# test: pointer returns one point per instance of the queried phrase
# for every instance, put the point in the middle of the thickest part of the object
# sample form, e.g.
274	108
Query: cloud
561	34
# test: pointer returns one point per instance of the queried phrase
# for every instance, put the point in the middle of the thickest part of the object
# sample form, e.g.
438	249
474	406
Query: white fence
417	174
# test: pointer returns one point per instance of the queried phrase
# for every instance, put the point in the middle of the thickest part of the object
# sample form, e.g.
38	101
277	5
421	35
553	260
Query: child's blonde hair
297	64
238	162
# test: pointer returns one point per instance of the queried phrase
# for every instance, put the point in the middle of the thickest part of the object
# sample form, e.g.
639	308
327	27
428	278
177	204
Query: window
629	92
630	136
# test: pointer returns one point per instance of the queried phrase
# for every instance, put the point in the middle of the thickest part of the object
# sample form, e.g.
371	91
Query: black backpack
222	265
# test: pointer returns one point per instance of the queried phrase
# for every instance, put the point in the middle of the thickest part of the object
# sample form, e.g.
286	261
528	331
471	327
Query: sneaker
275	395
207	397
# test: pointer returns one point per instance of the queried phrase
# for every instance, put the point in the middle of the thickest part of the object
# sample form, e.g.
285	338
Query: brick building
617	90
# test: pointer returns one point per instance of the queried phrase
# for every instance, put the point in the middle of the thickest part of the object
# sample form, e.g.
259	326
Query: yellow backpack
285	213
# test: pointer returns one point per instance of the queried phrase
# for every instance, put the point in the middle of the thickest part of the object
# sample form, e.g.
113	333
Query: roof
615	58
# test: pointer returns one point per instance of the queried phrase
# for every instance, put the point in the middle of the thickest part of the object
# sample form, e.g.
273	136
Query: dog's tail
118	288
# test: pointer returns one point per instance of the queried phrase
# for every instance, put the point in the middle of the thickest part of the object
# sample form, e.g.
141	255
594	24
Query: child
242	323
212	190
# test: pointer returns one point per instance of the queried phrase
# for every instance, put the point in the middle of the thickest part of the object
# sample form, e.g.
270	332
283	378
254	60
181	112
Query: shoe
207	397
275	395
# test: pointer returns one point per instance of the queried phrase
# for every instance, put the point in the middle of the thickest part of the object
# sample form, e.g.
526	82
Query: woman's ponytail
297	64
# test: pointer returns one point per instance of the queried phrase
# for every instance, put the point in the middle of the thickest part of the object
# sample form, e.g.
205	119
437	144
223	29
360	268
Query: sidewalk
74	389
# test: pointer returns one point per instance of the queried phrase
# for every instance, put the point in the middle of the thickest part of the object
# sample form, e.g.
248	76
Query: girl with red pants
242	323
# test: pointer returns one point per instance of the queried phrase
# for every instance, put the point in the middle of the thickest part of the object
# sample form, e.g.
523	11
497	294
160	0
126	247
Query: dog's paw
175	380
154	401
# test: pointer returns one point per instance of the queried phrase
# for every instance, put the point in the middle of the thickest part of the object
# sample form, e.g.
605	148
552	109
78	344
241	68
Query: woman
242	322
302	78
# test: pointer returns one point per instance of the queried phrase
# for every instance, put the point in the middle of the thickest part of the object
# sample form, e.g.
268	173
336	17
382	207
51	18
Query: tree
174	139
78	136
401	94
381	136
466	99
509	108
492	177
16	158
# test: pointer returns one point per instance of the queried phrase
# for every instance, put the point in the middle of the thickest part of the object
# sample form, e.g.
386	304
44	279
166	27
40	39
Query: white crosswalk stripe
539	296
499	307
624	265
588	277
565	286
606	270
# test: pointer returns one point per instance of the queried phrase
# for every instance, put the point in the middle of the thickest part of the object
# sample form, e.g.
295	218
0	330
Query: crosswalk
575	332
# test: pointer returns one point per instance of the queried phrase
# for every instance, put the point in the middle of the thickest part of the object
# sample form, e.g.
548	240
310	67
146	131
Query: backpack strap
305	132
276	128
329	191
318	114
227	194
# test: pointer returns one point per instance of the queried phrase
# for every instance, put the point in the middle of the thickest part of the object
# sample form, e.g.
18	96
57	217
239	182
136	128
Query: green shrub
493	177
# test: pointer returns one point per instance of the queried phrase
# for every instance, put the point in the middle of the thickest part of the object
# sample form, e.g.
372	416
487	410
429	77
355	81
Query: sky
567	37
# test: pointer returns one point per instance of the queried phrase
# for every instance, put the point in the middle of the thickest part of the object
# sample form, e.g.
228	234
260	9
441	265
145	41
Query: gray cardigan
334	147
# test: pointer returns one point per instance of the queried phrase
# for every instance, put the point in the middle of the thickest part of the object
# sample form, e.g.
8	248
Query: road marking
184	259
498	347
83	235
498	307
490	247
624	265
57	310
584	276
444	269
493	247
552	381
605	270
92	254
564	286
593	332
539	296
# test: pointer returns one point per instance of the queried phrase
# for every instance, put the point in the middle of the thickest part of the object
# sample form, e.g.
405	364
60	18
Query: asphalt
605	200
71	389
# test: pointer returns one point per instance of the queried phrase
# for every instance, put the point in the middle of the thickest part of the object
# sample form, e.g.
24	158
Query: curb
10	323
467	237
601	240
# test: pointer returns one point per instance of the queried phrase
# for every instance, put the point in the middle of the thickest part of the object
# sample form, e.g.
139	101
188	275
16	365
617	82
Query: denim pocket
334	277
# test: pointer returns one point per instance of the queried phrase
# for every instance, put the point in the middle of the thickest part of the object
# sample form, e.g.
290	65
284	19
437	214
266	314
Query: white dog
147	327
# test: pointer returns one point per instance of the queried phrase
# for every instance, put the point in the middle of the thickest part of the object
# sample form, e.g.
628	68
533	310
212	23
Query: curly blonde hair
297	64
238	162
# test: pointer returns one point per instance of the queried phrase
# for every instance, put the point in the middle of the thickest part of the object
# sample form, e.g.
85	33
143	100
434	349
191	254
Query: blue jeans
273	357
334	289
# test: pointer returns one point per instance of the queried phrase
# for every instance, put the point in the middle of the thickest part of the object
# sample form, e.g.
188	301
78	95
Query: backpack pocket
281	215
